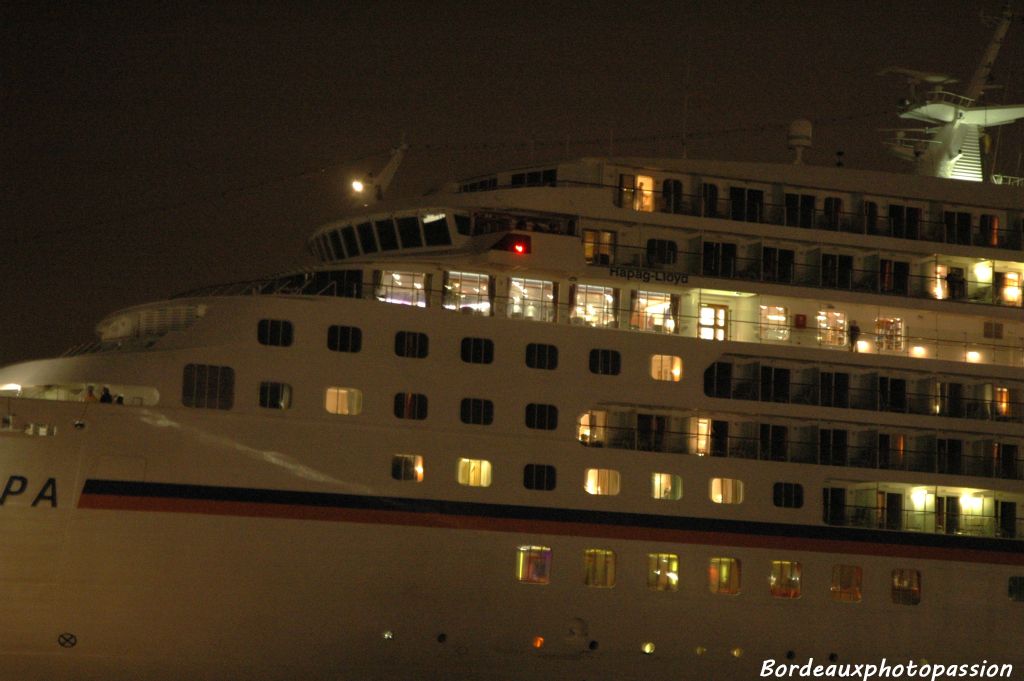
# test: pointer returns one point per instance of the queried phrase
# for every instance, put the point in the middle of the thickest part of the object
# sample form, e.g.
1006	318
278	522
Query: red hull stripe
532	521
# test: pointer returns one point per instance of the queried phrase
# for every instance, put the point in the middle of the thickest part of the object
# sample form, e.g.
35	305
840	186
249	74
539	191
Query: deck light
538	642
647	648
973	356
358	186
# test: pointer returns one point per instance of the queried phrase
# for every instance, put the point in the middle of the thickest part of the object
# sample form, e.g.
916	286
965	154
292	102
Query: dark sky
150	148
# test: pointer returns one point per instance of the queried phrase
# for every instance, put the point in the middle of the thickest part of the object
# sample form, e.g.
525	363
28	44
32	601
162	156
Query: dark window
832	447
904	221
800	210
777	264
344	338
709	200
541	416
788	495
608	362
275	395
411	344
550	177
336	247
833	506
541	356
719	259
835	389
958	227
435	231
718	380
274	332
836	271
1016	589
518	179
661	252
386	235
477	411
463	224
773	442
366	239
410	406
746	204
774	384
833	212
871	224
351	245
403	467
949	453
409	232
892	394
533	178
672	196
627	191
204	386
894	276
539	476
477	350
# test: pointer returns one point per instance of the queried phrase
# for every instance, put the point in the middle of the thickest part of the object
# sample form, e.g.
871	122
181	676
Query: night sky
156	147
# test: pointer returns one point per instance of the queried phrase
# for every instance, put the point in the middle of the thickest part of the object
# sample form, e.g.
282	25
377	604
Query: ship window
666	367
661	252
1016	589
989	225
833	212
672	196
532	299
777	264
601	481
718	380
407	467
336	248
474	472
713	322
343	401
894	276
626	196
836	270
366	238
774	323
204	386
663	571
409	232
477	411
402	288
654	311
784	580
477	350
719	259
468	292
348	233
906	586
411	406
275	395
846	581
533	564
958	227
595	305
608	362
411	344
832	328
666	486
992	330
889	333
463	224
274	332
344	338
386	235
590	429
541	416
599	568
539	476
788	495
541	356
724	576
904	221
598	247
435	230
726	491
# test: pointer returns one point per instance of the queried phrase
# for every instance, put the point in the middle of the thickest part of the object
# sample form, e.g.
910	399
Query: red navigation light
519	247
520	244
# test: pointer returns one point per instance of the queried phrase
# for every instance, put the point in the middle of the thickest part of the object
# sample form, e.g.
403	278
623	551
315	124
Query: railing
961	524
1009	466
1008	180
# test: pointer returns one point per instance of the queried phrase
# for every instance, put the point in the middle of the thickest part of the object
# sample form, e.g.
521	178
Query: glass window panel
343	401
533	564
846	583
467	292
599	568
726	491
653	311
785	579
402	288
601	481
474	472
663	571
532	299
666	367
724	576
595	305
666	486
774	323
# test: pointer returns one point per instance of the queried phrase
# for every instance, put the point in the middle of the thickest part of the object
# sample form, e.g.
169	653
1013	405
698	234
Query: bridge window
533	564
274	332
409	232
407	467
366	238
435	230
204	386
386	235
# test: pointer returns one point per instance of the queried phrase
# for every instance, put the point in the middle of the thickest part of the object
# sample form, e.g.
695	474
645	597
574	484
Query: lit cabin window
275	395
1010	288
726	491
654	311
595	305
474	472
663	571
599	568
832	328
889	335
402	288
274	332
343	401
846	583
666	367
539	477
701	436
774	323
533	564
784	579
666	486
344	338
906	586
531	299
407	467
724	576
598	247
1016	589
204	386
468	292
590	429
1001	402
601	481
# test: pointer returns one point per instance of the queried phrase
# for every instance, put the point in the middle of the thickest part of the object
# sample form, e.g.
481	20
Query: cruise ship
608	418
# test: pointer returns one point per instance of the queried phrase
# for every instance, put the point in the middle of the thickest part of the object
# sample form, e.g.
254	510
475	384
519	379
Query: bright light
10	387
863	346
919	497
973	356
918	351
358	186
519	248
647	648
538	642
983	271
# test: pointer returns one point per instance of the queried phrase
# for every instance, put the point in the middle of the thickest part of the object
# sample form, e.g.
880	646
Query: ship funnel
799	138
